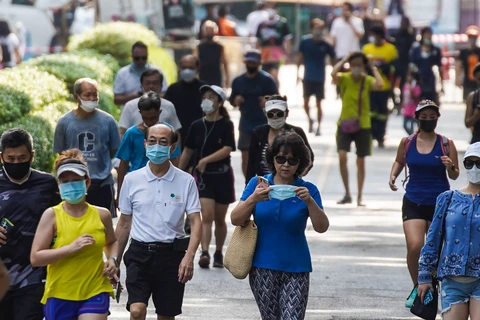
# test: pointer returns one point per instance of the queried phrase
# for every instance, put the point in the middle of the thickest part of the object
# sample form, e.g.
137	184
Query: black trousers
379	114
23	304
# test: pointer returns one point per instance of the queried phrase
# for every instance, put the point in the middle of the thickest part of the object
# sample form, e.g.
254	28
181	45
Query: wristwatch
115	260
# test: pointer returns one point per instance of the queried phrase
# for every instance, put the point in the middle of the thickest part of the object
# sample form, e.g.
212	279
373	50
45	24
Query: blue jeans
454	292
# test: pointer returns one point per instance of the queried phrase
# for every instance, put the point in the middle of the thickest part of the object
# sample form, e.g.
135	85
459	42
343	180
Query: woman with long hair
9	46
70	240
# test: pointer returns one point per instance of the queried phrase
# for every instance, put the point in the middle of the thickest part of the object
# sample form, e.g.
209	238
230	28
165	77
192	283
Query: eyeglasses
138	58
291	161
469	164
279	114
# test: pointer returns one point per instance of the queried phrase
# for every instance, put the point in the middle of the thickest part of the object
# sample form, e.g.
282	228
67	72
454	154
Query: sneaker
218	259
317	134
204	261
411	298
310	125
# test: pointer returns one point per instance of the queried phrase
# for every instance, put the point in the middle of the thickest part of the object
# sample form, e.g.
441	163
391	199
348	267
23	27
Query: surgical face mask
318	34
282	191
252	70
207	106
277	123
158	154
427	125
473	175
188	75
427	42
356	71
88	106
371	39
73	192
271	12
17	171
338	11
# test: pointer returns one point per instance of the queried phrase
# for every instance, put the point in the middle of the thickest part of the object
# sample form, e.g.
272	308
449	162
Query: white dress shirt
158	205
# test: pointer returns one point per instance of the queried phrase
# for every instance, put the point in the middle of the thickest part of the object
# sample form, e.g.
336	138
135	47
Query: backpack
408	142
5	52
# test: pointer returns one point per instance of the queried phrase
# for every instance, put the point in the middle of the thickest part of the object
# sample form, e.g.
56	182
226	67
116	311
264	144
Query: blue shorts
59	309
454	292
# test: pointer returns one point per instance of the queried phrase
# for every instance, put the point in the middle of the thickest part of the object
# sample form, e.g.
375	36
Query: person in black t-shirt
472	112
466	62
211	140
212	57
25	194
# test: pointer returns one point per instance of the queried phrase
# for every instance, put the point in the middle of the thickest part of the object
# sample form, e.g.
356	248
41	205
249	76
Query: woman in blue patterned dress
453	246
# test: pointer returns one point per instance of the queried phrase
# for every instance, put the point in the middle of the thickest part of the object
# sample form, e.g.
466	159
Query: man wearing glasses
127	82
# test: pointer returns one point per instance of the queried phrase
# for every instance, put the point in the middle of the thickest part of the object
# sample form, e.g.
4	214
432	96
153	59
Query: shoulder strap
445	145
360	97
408	143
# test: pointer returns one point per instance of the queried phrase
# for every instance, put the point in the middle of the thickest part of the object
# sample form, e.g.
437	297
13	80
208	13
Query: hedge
117	38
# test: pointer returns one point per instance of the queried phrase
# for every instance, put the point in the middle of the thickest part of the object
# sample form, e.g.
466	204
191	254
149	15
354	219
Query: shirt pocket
174	213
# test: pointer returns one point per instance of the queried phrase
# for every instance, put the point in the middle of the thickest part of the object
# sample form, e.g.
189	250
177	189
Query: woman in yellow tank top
70	240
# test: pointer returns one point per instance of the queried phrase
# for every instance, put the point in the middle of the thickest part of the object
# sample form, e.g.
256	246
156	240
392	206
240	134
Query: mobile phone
264	180
118	291
6	224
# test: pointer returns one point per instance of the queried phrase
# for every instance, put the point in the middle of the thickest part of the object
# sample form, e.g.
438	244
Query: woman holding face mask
71	239
210	140
453	246
276	109
281	267
431	159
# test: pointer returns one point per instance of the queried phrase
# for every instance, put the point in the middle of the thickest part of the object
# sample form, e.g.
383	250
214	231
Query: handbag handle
360	98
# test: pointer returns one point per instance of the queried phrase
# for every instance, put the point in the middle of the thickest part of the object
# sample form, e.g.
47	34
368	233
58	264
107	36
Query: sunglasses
291	161
469	164
279	114
144	58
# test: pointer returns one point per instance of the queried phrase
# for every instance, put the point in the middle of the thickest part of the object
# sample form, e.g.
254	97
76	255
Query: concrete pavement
359	263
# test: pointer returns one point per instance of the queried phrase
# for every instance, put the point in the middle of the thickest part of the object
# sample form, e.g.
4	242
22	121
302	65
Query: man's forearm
122	234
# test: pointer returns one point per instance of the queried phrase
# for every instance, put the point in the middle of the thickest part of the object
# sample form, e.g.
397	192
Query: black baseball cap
253	55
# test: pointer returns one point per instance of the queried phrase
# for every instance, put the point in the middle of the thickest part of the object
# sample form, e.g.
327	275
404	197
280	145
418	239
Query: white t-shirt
345	39
254	19
131	116
12	43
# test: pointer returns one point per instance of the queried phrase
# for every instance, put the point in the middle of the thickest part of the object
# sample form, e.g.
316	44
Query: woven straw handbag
240	250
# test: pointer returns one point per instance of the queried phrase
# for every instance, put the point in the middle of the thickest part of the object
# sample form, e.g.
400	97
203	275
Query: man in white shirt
150	80
347	31
153	203
255	18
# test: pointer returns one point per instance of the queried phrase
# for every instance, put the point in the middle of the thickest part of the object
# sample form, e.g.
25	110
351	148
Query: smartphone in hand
263	180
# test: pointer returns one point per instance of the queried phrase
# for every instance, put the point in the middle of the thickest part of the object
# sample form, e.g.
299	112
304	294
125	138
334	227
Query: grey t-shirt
95	137
131	116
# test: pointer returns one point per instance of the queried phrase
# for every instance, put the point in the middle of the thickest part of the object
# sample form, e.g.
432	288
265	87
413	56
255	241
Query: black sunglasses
469	164
279	114
144	58
291	161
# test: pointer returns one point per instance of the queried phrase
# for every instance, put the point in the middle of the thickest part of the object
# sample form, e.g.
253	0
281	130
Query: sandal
345	200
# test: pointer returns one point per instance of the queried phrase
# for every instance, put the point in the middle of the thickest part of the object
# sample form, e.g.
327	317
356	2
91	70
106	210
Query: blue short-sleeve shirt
282	244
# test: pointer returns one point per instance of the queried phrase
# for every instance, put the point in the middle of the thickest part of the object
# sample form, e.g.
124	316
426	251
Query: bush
13	104
117	38
70	67
108	59
106	101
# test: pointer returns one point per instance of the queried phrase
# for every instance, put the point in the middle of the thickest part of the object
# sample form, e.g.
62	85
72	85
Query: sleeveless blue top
428	176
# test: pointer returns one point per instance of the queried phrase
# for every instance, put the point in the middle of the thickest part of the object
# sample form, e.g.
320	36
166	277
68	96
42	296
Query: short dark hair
476	68
139	44
148	101
223	11
16	137
358	54
290	142
173	132
276	97
349	5
4	28
378	30
151	72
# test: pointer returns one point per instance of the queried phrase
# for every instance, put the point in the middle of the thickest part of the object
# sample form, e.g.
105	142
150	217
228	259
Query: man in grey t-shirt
94	132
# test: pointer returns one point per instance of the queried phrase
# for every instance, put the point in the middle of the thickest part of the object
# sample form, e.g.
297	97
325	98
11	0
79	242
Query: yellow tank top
78	276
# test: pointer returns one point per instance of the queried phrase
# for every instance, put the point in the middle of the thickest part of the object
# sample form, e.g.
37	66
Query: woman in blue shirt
429	157
453	246
281	208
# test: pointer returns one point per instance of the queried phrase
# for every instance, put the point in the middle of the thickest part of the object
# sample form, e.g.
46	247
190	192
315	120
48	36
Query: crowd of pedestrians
171	151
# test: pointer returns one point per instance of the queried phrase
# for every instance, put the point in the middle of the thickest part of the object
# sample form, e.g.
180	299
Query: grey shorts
244	139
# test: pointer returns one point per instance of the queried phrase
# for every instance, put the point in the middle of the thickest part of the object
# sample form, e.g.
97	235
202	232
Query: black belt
152	246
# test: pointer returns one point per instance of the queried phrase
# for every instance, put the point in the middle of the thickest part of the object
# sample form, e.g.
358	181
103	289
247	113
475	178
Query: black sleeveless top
209	54
476	126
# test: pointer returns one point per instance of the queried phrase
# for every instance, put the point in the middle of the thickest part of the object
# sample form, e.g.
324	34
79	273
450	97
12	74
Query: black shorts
244	139
219	187
411	210
270	66
362	139
314	88
23	304
102	196
154	273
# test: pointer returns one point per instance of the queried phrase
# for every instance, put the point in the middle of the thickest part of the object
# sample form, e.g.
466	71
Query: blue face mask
282	191
158	154
73	192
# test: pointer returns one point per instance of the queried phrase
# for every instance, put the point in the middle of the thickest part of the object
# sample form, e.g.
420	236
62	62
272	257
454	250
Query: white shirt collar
169	176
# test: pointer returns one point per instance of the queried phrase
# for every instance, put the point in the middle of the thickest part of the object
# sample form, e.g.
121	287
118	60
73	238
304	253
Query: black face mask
209	37
252	70
16	171
427	125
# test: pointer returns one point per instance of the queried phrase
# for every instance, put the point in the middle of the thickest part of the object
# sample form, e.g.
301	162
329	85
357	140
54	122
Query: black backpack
5	51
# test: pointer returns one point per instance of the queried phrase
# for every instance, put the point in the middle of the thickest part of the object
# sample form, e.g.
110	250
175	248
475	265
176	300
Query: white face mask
356	71
207	106
88	106
277	123
371	39
473	175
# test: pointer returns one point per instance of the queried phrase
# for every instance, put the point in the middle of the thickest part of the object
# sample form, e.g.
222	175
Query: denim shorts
454	292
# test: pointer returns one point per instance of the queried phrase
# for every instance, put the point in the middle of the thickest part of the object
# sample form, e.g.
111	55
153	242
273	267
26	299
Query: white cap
215	89
76	168
473	150
276	105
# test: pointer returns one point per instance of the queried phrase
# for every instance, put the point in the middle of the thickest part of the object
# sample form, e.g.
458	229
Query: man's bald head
189	62
161	133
